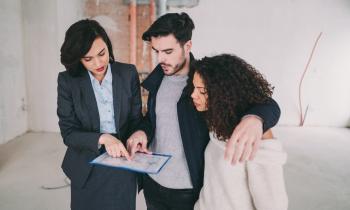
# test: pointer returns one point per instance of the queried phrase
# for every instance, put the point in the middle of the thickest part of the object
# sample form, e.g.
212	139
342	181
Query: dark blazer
193	128
79	118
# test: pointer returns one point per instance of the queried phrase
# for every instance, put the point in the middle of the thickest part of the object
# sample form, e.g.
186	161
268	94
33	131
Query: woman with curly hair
225	86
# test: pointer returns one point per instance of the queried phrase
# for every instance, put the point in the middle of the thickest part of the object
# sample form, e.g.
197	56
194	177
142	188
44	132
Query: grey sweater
167	140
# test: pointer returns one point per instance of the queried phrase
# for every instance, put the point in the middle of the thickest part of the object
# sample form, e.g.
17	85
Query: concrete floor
317	172
29	162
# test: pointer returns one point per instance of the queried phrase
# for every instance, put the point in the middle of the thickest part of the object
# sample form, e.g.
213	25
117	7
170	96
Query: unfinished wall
44	25
114	16
13	100
277	37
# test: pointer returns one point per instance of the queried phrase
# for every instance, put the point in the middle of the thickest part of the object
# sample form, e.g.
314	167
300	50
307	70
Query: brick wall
117	12
114	16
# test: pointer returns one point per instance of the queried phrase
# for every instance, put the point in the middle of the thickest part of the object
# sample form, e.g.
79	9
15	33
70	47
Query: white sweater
253	185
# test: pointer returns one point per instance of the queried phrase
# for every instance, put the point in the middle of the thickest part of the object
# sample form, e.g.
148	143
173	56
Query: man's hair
78	41
233	87
180	25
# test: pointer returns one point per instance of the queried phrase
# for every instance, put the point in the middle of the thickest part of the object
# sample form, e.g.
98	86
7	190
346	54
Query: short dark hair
78	41
233	87
180	25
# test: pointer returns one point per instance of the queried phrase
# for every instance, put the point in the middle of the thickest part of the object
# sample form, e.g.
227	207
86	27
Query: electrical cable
66	180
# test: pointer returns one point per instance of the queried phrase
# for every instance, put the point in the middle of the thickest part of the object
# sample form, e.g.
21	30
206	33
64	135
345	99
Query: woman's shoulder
64	73
123	69
64	76
67	77
271	151
215	140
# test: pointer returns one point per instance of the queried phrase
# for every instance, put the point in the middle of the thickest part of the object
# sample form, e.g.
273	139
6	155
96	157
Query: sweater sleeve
266	179
269	112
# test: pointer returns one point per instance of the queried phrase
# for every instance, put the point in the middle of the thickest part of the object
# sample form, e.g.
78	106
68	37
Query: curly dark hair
233	86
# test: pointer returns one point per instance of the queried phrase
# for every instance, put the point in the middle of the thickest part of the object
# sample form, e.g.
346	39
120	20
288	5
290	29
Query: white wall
41	62
32	32
13	100
68	12
45	23
277	36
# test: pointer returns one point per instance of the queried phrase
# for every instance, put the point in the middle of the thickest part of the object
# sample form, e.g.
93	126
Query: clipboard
141	162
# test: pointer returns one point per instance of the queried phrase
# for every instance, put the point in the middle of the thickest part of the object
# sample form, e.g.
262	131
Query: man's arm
246	136
146	126
140	139
269	112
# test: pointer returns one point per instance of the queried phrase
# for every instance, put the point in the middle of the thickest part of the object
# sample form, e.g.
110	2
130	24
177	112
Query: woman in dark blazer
98	106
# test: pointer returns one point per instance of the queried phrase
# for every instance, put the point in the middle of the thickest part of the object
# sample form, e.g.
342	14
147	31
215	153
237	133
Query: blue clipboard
141	163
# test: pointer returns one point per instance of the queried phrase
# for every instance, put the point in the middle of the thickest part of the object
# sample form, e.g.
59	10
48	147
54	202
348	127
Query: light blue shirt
104	97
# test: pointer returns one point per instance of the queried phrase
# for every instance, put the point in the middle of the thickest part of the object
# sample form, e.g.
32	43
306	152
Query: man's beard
177	67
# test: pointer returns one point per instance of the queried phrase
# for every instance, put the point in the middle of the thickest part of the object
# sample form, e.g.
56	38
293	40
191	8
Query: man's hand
137	142
114	146
245	140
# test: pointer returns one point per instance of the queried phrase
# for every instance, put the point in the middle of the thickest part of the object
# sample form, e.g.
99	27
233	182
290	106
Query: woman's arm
266	179
71	129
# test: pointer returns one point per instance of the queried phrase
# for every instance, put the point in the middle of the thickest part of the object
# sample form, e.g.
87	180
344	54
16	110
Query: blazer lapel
117	95
90	101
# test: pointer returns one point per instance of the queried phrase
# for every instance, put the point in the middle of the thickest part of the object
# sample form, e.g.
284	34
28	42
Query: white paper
141	162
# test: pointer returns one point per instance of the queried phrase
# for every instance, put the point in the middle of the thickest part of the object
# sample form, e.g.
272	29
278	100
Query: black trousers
106	189
162	198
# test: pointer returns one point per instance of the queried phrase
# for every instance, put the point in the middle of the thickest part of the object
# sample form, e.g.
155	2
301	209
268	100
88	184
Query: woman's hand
114	146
